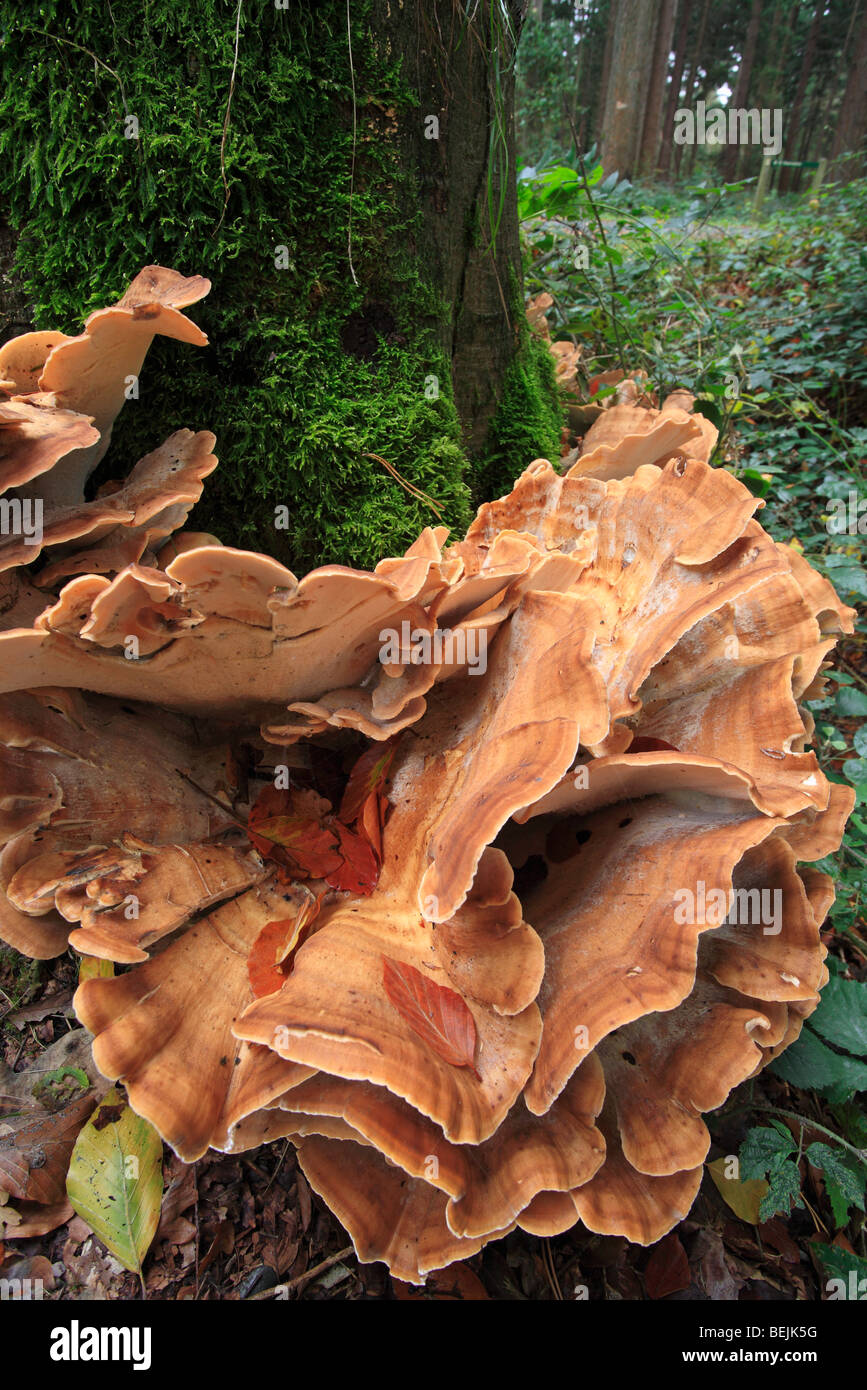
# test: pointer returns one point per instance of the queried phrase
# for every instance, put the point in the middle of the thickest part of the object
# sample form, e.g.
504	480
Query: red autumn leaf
309	846
370	822
438	1015
263	967
359	869
287	826
667	1269
367	776
269	963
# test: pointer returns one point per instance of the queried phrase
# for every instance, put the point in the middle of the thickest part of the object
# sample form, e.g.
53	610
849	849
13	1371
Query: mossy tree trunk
352	197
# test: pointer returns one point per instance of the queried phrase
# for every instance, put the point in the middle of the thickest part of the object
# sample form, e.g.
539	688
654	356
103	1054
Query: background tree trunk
729	159
633	35
794	114
667	142
652	134
602	94
692	76
852	120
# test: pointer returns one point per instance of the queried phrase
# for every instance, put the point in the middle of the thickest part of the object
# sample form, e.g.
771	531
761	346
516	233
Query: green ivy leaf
840	1264
784	1190
810	1065
844	1180
762	1149
851	703
841	1017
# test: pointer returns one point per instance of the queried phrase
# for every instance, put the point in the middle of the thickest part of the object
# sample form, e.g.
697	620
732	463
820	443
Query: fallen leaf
269	949
438	1015
270	958
288	826
667	1269
34	1155
714	1273
115	1179
305	1203
29	1090
94	968
744	1198
32	1267
34	1013
774	1234
222	1244
180	1195
371	822
359	870
30	1219
367	776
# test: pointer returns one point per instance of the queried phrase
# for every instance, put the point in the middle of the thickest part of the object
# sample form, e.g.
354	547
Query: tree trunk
740	97
652	134
691	81
602	94
798	104
852	120
468	237
667	143
627	86
347	182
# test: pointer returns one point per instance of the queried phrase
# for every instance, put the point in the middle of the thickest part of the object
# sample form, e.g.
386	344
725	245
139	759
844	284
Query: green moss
293	409
527	423
294	400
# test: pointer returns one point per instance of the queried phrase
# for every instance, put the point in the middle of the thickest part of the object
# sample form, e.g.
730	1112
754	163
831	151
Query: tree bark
691	79
627	86
464	176
852	120
667	143
602	94
652	133
797	105
729	161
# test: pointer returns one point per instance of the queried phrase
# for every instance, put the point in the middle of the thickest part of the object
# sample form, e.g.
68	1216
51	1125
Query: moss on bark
125	142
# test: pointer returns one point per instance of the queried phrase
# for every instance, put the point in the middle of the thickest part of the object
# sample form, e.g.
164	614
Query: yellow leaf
92	968
744	1198
115	1179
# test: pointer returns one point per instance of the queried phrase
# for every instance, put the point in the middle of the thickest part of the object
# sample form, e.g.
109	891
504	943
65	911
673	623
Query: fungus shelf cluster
511	1021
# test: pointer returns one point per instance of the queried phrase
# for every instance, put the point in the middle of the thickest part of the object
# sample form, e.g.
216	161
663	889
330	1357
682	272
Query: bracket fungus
485	938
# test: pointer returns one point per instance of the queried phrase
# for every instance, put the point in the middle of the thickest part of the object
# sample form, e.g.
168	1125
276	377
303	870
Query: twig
279	1164
409	487
806	1122
852	672
354	139
301	1278
226	117
548	1262
71	44
227	810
